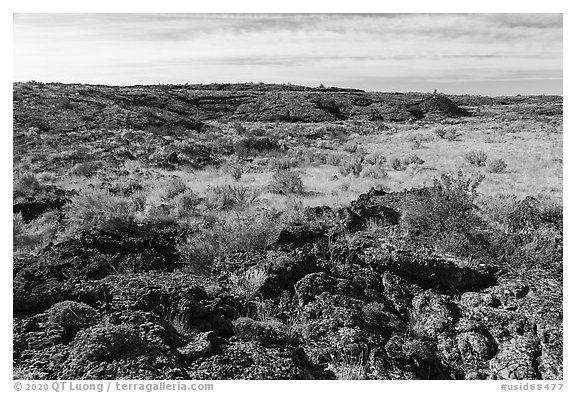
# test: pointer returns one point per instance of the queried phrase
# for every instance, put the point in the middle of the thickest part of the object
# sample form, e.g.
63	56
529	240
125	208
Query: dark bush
440	131
397	164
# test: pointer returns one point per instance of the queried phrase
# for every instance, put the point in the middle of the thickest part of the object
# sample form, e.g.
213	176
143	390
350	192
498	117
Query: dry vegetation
224	191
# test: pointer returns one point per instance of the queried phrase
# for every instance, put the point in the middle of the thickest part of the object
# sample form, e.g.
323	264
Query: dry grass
533	152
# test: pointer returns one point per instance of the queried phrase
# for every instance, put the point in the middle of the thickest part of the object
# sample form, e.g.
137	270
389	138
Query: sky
488	54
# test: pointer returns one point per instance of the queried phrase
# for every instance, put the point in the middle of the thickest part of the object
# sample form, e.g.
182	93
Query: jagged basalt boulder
429	271
34	204
270	331
72	316
517	359
50	276
118	351
242	359
433	314
314	284
399	291
200	346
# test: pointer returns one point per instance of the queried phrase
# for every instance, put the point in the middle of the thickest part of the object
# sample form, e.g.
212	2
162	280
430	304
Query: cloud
305	48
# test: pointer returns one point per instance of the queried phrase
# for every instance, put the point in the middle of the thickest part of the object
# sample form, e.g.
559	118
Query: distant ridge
62	107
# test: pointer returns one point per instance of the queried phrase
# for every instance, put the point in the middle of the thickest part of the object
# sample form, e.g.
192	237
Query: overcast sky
490	54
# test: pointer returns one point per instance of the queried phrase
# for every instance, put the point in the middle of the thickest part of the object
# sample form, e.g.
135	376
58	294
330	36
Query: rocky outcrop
168	108
343	304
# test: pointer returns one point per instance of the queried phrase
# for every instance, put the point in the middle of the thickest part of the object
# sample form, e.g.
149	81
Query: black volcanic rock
64	108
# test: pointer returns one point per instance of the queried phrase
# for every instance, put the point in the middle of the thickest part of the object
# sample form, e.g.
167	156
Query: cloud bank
455	53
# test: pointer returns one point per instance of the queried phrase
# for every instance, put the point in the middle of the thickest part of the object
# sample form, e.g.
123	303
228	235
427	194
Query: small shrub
254	145
397	164
248	283
26	183
172	188
476	157
94	207
34	235
278	164
353	167
375	171
139	200
245	230
447	207
440	131
412	160
348	367
497	210
186	203
199	252
335	158
375	159
345	186
496	165
351	147
227	197
236	173
286	182
417	141
451	135
181	323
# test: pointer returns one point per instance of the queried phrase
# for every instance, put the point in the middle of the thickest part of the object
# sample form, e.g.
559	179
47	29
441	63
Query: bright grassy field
534	158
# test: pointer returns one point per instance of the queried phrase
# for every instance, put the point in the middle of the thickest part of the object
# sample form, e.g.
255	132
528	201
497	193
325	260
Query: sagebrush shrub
286	181
440	131
497	210
32	236
278	164
397	165
375	159
227	197
451	134
353	166
376	171
246	230
26	182
94	207
496	165
476	157
199	252
186	203
351	147
236	173
412	160
417	141
172	188
448	206
335	158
